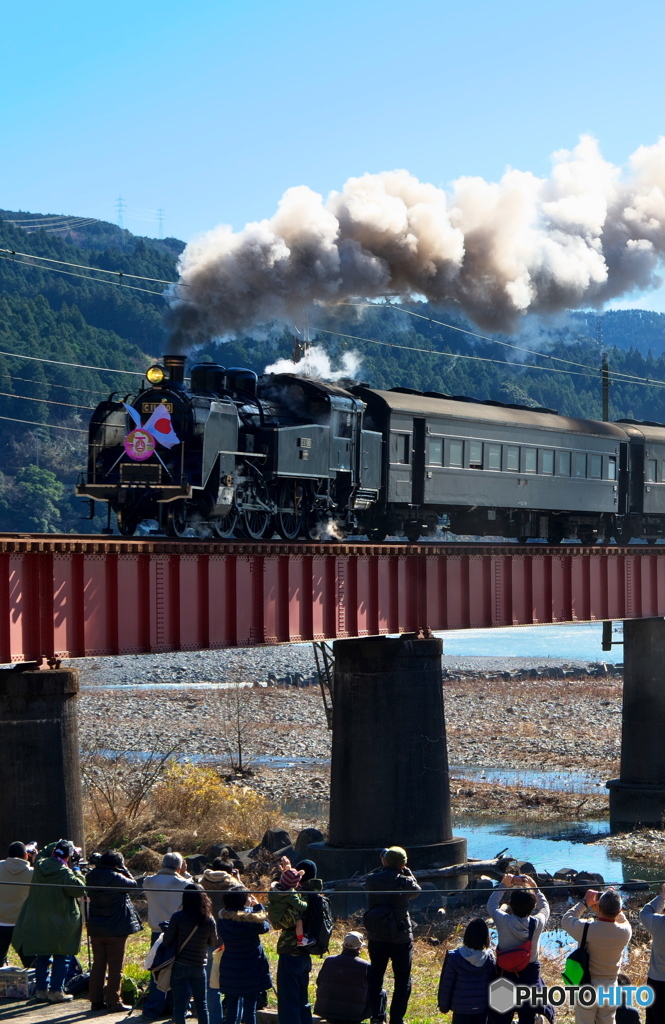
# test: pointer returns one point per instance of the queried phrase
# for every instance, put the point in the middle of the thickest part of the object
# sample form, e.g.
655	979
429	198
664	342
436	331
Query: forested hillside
61	314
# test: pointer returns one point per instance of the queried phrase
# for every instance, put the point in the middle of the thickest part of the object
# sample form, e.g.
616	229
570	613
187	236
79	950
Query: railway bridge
78	596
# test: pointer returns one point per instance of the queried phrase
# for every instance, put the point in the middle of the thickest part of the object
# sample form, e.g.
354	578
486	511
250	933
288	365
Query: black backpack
318	923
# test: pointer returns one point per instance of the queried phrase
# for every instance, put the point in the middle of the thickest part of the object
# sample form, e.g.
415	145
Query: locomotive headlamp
156	374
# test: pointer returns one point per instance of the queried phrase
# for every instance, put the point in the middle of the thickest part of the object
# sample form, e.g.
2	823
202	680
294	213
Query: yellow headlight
156	374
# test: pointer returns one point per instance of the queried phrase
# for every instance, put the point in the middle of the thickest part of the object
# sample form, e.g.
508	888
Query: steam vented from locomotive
589	232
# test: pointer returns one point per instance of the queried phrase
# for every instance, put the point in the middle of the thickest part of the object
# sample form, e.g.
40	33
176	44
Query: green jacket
50	920
285	908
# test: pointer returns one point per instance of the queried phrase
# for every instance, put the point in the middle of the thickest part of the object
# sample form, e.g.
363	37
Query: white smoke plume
589	232
316	363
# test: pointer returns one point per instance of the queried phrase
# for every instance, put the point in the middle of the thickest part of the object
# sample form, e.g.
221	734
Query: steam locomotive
242	456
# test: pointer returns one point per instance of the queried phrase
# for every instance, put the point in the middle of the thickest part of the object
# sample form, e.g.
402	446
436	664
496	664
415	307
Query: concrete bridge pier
389	772
40	796
637	797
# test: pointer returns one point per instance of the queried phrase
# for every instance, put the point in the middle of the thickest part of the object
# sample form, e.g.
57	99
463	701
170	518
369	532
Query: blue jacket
244	967
463	988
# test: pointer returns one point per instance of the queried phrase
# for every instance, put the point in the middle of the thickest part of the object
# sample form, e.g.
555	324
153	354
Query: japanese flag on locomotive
159	426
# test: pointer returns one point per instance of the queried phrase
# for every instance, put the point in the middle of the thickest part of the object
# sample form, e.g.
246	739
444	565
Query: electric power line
47	426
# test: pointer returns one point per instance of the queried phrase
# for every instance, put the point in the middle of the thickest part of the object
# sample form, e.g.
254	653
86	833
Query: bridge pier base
637	797
389	772
39	757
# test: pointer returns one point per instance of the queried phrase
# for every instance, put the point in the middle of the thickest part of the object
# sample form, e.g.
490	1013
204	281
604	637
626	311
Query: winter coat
111	914
49	923
285	908
163	892
464	982
216	883
244	967
180	927
341	988
12	897
384	881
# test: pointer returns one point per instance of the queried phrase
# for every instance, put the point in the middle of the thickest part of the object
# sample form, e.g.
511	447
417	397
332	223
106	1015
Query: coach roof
423	405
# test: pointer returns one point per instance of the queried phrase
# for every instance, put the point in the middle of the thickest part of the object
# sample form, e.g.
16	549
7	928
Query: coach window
400	448
530	460
494	456
579	464
547	462
476	454
512	458
456	453
596	467
564	463
652	471
435	451
612	468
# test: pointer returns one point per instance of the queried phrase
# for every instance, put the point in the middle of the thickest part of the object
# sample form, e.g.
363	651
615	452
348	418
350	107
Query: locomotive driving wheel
127	523
289	518
225	525
257	523
176	520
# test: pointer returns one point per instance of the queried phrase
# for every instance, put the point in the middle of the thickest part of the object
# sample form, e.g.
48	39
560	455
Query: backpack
517	959
381	924
318	923
576	967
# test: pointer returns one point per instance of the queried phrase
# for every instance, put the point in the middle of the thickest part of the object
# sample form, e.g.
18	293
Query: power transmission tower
160	217
120	207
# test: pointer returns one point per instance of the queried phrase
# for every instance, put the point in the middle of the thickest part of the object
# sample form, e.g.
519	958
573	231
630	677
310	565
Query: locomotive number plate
149	407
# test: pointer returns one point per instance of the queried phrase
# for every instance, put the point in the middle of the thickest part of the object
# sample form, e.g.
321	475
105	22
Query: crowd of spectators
213	926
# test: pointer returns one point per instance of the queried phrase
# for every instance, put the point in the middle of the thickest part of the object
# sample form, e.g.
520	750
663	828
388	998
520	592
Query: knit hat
354	940
290	878
395	857
308	867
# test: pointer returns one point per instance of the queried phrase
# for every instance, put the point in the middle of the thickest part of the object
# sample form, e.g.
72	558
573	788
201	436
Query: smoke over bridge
589	232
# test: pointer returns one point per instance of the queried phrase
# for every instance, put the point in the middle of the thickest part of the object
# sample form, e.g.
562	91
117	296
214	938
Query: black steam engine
238	456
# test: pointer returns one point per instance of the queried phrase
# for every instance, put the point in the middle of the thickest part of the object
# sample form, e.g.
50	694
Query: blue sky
211	110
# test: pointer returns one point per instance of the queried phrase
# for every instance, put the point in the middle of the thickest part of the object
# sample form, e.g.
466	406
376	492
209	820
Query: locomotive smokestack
176	368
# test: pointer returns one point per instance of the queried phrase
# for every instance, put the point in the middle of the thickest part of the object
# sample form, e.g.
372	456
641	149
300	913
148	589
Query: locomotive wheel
256	525
289	520
225	525
176	521
412	532
377	534
126	523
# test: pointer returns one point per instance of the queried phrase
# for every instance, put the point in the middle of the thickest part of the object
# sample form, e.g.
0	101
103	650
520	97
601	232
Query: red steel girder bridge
76	596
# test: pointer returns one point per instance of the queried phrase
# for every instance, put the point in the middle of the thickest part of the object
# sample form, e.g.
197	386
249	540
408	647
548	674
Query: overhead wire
456	355
85	277
46	401
78	366
617	375
85	266
47	426
51	384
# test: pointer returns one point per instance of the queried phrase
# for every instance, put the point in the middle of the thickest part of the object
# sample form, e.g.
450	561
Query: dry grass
189	809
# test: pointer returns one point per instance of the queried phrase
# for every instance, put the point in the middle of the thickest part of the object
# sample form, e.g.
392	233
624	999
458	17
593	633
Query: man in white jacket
608	934
653	919
163	891
15	877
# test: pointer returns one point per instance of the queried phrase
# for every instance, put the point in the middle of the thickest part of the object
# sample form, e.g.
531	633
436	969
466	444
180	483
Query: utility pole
605	370
120	207
160	218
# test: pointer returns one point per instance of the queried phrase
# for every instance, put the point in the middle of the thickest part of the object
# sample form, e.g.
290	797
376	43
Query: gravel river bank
512	724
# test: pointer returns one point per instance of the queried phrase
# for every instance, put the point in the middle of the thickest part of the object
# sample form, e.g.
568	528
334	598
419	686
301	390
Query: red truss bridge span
75	596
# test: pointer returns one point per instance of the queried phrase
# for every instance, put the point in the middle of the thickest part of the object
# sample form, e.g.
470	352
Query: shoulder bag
517	959
162	964
576	968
